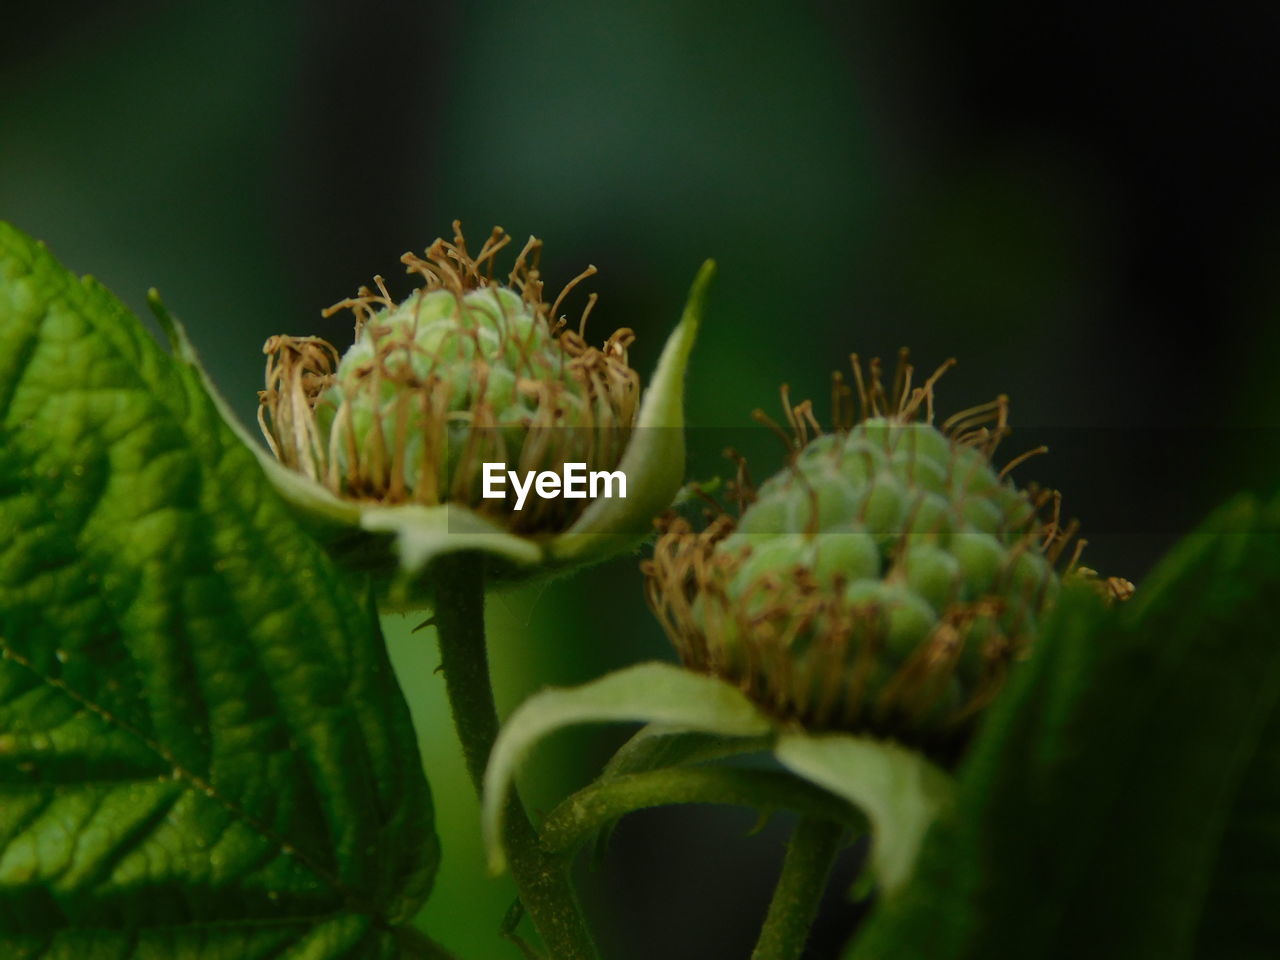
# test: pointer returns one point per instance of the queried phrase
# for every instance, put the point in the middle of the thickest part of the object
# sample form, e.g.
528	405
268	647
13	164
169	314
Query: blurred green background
1078	202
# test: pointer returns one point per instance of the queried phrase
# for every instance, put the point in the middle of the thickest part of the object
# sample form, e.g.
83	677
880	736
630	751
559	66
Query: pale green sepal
654	460
899	790
424	533
646	693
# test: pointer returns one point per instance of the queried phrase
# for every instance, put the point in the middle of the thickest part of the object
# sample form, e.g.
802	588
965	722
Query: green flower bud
383	450
884	580
461	372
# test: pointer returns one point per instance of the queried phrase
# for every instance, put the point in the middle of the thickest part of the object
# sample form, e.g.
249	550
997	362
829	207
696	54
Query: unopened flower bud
395	452
463	371
883	580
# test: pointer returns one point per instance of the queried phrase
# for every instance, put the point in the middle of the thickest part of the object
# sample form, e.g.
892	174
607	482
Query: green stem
798	894
578	818
542	878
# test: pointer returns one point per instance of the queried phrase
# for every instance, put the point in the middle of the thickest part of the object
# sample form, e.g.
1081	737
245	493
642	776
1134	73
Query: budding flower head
465	370
883	580
386	451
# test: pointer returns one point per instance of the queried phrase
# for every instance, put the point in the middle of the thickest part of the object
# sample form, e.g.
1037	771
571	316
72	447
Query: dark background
1078	201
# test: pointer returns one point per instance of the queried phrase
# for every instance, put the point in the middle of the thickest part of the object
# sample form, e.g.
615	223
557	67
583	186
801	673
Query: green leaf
1240	921
1092	811
203	750
898	789
649	692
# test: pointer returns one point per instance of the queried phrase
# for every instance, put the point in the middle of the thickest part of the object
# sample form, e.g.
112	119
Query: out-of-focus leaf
1092	809
1240	917
203	750
1240	920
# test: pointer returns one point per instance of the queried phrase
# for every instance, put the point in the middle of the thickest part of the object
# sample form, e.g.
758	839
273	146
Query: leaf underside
203	750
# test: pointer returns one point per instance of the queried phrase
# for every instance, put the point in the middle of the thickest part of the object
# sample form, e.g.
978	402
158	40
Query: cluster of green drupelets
462	371
884	579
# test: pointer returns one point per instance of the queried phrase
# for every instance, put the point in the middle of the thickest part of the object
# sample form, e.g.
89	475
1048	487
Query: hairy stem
798	894
542	878
579	817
